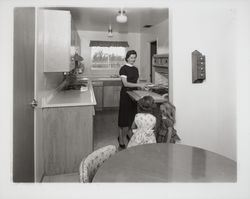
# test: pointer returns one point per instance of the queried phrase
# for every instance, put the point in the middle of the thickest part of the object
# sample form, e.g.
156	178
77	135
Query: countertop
64	98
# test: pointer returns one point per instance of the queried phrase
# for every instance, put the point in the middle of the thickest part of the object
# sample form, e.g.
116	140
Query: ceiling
99	19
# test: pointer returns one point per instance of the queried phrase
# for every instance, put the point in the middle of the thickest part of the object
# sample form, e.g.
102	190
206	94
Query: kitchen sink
76	85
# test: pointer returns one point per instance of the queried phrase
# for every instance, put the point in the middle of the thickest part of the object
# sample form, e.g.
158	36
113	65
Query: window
107	57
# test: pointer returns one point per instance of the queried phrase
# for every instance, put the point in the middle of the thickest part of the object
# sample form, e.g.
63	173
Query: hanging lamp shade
121	17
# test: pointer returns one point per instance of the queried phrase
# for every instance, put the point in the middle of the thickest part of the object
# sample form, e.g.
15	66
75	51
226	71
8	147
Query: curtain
108	43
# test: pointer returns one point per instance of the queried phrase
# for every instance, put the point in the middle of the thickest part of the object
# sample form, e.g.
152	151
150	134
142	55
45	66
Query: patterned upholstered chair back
89	165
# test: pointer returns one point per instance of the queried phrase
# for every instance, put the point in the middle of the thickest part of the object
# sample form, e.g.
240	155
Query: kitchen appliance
160	74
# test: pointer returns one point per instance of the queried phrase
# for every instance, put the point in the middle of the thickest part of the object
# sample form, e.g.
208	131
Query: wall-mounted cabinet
198	67
160	60
61	40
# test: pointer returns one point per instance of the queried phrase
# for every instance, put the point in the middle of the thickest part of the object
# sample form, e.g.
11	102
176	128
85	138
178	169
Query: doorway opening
153	51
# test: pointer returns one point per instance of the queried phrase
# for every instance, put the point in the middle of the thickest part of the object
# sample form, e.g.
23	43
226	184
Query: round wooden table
167	163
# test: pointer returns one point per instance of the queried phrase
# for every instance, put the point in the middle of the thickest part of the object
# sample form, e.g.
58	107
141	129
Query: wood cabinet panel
111	96
98	91
68	138
57	40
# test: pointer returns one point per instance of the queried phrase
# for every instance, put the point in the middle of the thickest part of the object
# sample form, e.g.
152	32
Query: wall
133	41
158	33
206	113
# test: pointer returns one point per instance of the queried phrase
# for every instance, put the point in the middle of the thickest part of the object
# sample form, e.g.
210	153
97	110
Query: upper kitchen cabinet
57	36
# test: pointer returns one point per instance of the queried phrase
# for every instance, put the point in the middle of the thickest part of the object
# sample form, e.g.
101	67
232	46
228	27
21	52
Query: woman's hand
141	86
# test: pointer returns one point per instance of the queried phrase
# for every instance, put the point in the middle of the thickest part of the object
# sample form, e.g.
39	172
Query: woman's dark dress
128	107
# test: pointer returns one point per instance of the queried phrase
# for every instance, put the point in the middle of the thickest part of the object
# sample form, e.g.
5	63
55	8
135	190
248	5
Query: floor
105	132
72	177
106	128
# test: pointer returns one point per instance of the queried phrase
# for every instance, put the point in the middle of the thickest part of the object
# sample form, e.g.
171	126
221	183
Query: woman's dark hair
146	104
130	52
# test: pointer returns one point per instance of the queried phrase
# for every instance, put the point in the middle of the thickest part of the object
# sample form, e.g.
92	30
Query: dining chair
90	164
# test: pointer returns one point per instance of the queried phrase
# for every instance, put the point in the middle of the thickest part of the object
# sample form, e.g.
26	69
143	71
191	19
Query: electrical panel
198	67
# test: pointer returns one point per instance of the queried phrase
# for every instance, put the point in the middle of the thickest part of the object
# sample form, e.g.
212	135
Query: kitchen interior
212	115
77	53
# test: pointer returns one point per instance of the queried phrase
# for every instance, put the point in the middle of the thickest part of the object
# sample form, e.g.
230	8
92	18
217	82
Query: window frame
108	63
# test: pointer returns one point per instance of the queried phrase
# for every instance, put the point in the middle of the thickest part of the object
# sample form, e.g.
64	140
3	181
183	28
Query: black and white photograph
125	99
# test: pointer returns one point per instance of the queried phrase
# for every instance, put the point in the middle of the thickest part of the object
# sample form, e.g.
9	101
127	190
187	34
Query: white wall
206	113
133	40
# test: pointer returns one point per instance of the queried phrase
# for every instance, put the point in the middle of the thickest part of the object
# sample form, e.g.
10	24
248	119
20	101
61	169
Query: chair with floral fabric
90	164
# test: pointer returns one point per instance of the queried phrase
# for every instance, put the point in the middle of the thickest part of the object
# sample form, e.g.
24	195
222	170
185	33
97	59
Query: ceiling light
110	31
121	18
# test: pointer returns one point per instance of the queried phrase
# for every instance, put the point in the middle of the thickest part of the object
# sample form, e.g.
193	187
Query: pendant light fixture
110	34
121	17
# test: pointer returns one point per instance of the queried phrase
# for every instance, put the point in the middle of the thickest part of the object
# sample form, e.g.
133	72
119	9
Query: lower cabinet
107	94
111	96
67	138
98	91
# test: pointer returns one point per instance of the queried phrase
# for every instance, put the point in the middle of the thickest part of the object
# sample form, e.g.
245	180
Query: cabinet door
117	90
23	86
108	98
68	138
57	40
98	96
111	96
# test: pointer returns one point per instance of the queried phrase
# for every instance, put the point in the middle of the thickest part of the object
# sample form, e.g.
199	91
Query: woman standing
128	108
